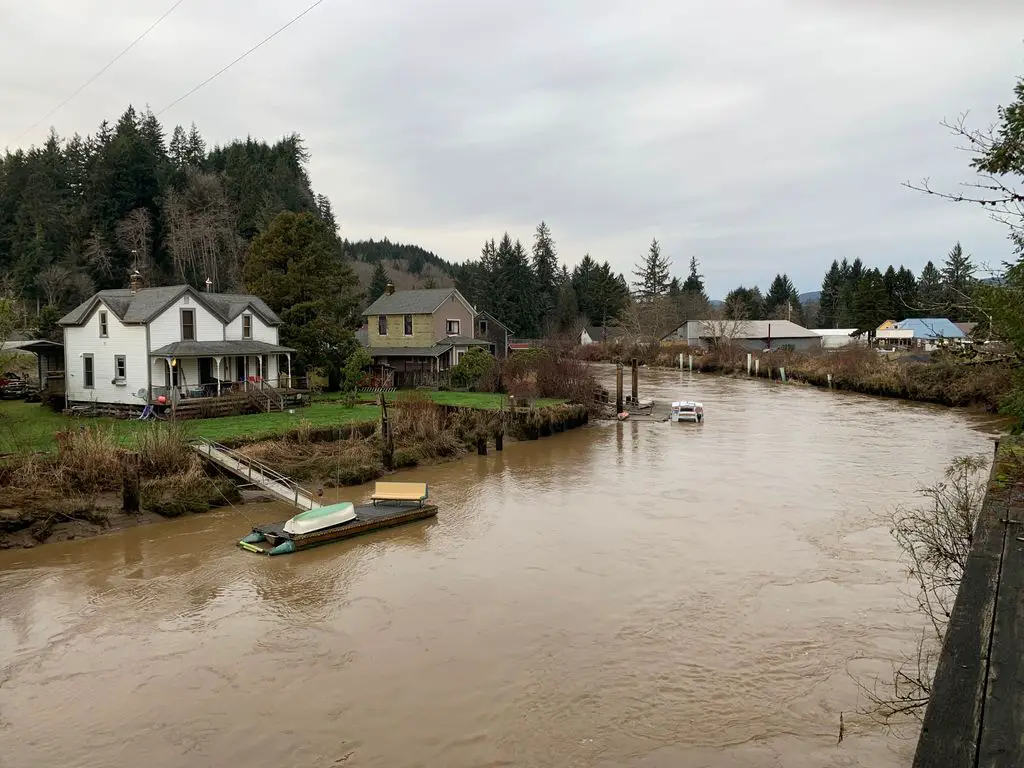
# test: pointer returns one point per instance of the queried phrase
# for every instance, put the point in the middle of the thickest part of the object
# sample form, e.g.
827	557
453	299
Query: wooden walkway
257	473
975	715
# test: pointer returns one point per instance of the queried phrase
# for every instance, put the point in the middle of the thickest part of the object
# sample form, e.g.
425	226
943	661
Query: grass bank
72	484
938	378
30	427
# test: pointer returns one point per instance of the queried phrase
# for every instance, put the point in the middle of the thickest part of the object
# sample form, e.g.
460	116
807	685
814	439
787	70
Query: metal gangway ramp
256	472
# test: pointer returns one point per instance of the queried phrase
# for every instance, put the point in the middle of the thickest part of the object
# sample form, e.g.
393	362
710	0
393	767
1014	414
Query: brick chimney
389	289
135	282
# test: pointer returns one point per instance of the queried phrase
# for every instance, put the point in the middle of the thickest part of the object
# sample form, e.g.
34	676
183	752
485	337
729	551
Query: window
382	325
408	325
120	367
246	326
188	325
483	326
88	372
103	324
452	327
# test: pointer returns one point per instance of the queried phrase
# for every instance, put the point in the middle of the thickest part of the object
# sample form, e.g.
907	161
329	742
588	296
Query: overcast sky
757	135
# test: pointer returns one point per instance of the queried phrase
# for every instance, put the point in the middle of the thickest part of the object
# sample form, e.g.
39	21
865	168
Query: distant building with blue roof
931	328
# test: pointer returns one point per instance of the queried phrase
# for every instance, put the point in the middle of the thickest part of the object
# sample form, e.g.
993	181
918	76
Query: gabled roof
219	348
752	329
488	316
599	332
420	301
463	341
931	328
147	303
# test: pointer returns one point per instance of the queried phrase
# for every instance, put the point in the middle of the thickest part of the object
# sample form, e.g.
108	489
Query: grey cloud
760	137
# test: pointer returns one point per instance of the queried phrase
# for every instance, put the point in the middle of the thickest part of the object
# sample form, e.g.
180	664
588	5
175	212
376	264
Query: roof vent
389	289
135	282
209	285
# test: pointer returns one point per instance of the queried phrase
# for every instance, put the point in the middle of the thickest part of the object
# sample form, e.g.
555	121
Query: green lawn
26	427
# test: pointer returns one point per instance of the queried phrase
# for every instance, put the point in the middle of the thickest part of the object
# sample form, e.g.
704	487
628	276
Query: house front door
206	371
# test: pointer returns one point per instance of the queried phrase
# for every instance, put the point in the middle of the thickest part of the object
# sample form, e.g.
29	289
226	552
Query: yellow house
413	336
888	325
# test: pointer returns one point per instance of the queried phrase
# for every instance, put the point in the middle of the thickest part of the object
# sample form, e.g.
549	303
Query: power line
109	64
224	69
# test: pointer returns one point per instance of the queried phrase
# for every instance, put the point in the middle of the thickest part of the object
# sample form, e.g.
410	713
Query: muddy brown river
622	595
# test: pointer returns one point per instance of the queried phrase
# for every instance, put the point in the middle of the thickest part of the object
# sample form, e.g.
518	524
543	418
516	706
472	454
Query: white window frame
195	331
247	331
408	322
120	361
382	322
448	325
104	324
88	372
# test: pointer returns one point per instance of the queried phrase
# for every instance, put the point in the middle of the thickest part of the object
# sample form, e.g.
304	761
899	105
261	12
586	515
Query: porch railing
273	387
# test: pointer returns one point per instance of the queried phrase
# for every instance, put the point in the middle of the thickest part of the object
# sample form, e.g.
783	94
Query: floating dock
271	539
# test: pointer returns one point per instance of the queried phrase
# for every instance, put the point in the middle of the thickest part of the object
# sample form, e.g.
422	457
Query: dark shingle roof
488	316
147	303
433	351
463	341
239	347
422	301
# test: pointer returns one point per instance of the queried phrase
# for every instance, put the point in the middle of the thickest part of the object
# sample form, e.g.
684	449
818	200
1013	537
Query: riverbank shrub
474	371
188	493
558	372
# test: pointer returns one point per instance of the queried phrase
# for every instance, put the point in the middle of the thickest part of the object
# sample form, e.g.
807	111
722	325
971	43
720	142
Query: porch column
217	360
259	369
288	355
171	389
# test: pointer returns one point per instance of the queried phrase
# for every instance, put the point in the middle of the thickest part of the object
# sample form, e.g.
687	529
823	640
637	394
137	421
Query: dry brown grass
188	492
942	380
945	380
89	460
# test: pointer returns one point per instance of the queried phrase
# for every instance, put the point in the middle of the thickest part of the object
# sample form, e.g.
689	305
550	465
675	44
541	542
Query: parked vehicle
13	386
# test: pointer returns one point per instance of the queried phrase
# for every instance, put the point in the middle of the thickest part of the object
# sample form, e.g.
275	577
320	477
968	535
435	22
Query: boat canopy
321	517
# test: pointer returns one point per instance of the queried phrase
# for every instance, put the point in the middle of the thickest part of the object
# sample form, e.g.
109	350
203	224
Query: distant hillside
810	296
401	277
408	266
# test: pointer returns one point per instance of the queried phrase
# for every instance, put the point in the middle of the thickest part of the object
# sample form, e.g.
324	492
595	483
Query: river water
622	595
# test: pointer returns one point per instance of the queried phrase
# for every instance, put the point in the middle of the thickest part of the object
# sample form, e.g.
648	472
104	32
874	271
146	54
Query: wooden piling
618	388
130	493
481	445
388	451
635	383
499	440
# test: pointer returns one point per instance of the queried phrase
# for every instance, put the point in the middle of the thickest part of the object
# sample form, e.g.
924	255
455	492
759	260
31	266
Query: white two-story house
130	347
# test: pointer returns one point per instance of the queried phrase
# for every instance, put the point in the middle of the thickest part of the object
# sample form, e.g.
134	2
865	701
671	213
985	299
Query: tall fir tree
931	296
652	274
958	284
694	283
378	283
545	270
782	302
830	301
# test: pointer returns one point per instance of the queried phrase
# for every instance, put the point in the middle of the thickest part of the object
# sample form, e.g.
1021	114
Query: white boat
321	517
687	410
